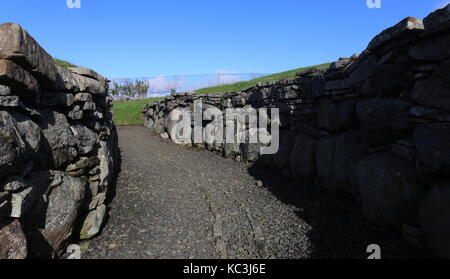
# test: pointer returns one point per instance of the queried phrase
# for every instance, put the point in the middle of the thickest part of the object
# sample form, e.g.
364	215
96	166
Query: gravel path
176	202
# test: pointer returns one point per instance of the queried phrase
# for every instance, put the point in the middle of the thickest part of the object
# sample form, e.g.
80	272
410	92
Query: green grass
130	113
64	64
239	86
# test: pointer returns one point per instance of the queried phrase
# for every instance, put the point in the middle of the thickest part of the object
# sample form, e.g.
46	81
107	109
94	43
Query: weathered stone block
389	189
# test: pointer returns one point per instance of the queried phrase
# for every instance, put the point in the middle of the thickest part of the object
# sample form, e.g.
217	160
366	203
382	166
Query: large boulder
13	244
303	158
17	78
389	188
57	133
433	90
434	216
404	28
433	148
383	121
17	45
29	131
335	116
12	145
337	158
282	157
383	85
55	215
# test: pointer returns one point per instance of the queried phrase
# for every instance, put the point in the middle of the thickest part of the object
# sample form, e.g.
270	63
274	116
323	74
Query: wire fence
164	85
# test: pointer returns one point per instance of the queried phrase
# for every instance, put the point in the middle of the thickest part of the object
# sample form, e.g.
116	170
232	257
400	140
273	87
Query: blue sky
140	38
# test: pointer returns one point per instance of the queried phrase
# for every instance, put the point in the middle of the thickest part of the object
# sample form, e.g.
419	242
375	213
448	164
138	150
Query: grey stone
303	158
88	73
433	91
90	85
93	222
431	49
434	214
16	44
335	116
337	158
29	131
17	78
438	20
383	121
405	26
381	84
56	215
10	101
83	97
97	200
433	147
12	146
13	243
85	138
14	183
389	189
57	132
5	90
23	201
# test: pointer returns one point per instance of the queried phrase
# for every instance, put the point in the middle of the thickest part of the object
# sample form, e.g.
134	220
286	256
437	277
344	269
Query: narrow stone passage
179	202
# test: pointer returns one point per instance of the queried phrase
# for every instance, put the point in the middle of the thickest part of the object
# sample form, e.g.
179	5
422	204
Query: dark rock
29	131
282	157
12	146
434	214
16	44
383	121
17	78
389	189
438	20
335	116
57	133
433	147
383	85
337	158
433	91
403	28
303	158
56	215
431	49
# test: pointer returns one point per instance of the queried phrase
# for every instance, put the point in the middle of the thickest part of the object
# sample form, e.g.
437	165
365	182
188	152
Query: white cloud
163	85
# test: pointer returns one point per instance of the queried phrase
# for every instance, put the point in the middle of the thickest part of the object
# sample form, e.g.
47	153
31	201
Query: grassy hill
129	113
64	64
239	86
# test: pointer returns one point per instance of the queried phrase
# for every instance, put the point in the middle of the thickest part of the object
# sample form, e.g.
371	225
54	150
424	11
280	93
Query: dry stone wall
58	149
376	125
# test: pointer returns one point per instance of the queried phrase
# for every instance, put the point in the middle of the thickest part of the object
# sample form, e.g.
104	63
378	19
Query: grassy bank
64	64
129	113
239	86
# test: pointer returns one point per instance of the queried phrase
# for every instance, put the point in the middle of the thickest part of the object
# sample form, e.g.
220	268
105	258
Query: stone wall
58	149
376	125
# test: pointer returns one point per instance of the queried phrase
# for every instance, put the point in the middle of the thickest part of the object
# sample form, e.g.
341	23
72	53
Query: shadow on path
339	230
